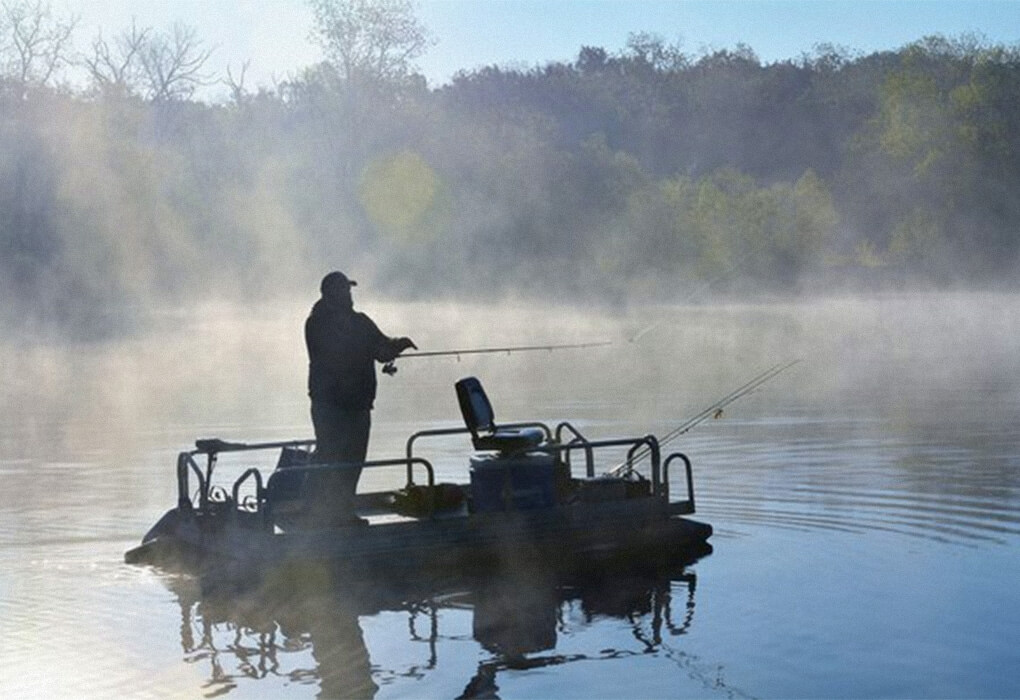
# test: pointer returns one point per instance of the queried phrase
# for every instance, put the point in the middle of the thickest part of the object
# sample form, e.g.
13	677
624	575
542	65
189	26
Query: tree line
644	170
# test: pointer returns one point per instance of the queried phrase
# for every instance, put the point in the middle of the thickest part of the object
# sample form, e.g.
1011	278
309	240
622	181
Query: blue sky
272	34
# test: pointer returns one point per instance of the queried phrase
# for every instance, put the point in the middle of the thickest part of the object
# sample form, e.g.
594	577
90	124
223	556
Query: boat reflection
518	624
312	634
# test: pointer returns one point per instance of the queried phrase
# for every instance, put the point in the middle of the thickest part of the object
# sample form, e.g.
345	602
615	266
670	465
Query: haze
642	172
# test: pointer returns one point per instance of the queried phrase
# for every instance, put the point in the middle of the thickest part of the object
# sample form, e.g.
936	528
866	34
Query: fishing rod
713	411
390	368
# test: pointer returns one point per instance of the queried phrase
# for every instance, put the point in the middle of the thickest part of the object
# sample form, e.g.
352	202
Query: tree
161	66
369	39
33	44
651	50
592	59
172	63
238	92
118	68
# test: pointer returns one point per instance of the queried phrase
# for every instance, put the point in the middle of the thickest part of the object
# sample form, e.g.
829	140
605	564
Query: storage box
519	483
602	488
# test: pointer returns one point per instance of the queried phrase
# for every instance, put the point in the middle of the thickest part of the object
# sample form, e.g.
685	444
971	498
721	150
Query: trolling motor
390	368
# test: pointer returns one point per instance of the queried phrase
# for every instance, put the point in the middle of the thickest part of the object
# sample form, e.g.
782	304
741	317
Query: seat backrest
475	406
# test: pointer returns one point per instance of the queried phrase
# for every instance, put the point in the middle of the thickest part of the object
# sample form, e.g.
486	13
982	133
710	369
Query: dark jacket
343	346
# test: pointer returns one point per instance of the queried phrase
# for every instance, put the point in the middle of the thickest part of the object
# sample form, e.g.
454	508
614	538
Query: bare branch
172	63
238	93
34	44
118	67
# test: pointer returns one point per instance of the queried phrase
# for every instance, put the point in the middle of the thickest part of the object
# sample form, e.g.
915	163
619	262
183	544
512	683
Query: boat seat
480	420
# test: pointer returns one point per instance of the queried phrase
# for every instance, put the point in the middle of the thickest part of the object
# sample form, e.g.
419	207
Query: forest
634	173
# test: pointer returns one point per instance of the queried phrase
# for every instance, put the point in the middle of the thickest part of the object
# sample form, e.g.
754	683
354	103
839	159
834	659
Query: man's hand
405	343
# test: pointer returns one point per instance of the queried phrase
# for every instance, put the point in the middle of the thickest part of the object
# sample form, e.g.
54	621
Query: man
343	346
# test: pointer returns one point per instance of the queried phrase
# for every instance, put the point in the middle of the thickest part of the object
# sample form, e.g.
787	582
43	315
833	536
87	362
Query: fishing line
714	410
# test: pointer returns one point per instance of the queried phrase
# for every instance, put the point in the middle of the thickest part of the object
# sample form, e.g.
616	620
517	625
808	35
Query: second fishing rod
713	410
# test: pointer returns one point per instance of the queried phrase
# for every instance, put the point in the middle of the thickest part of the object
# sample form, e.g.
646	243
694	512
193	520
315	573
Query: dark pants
341	435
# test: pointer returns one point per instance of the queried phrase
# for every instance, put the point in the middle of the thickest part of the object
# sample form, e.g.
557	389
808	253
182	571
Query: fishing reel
390	368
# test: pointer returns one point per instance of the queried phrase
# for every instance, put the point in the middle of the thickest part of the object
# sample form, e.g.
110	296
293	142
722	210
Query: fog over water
665	360
874	486
240	372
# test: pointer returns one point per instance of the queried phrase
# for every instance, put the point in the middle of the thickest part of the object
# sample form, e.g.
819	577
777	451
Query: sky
273	34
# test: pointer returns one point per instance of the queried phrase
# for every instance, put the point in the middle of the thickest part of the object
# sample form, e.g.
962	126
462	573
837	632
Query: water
866	506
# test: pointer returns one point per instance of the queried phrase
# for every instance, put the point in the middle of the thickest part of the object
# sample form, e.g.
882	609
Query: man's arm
390	348
387	349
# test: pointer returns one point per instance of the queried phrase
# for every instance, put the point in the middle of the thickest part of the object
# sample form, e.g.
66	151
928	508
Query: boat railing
186	463
445	432
255	474
211	448
685	507
410	463
639	447
589	453
649	442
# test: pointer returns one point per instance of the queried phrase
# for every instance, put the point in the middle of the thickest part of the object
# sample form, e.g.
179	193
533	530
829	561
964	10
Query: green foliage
645	169
726	226
369	40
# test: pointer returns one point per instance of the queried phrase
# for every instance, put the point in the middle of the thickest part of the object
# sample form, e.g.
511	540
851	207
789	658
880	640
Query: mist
238	371
642	175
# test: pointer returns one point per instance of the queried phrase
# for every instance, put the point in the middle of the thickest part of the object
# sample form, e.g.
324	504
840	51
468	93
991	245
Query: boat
534	493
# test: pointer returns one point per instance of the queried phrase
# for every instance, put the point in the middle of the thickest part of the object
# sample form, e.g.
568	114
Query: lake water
866	506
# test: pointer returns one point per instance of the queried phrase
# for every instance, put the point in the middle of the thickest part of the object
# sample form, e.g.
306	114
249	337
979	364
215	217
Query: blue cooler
522	482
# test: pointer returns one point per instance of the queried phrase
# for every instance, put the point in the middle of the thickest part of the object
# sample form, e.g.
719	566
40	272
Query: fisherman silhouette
343	345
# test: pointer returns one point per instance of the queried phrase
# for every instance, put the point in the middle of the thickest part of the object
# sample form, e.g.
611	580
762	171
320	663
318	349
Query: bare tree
238	92
33	44
172	63
369	39
118	67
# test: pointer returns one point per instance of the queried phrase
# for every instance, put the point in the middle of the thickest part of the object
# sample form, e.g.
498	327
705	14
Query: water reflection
311	633
305	636
518	625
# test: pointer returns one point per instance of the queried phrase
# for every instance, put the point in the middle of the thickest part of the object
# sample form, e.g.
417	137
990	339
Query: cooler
521	482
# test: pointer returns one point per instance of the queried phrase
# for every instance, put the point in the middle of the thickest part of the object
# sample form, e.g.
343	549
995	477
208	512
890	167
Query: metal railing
589	453
211	448
187	465
311	469
555	445
687	506
443	432
639	449
589	446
